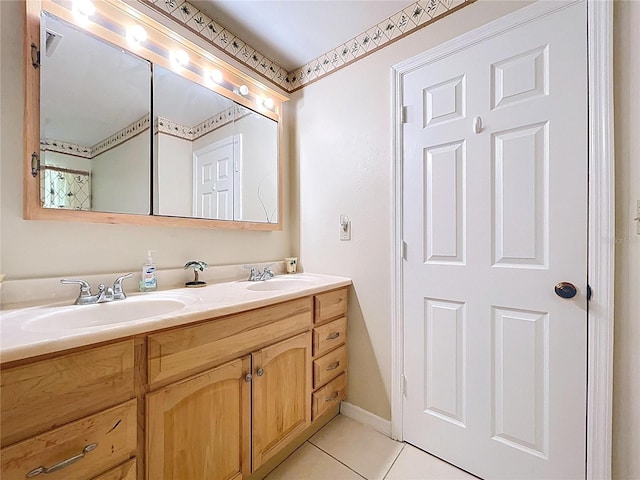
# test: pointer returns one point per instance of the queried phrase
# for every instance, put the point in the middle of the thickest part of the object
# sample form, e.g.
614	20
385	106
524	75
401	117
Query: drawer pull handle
65	463
332	397
333	366
333	336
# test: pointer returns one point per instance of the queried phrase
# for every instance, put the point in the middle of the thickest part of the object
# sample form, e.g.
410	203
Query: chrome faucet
104	294
256	275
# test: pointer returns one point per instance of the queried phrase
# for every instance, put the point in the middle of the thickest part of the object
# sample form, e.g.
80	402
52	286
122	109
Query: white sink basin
277	284
72	317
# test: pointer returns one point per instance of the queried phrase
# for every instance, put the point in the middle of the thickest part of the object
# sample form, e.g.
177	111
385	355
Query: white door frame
601	190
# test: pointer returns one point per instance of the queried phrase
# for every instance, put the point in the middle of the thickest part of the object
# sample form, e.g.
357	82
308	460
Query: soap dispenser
148	282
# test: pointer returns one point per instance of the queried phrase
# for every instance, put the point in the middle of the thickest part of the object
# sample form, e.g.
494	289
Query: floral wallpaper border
108	143
164	125
404	22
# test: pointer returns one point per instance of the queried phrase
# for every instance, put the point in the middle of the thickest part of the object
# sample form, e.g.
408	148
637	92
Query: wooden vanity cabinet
199	428
227	421
227	398
59	407
329	351
281	395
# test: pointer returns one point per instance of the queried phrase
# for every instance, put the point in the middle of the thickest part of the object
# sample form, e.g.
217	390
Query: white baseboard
367	418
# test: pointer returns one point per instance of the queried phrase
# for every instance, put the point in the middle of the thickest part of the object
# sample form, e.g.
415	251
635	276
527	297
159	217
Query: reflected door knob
566	290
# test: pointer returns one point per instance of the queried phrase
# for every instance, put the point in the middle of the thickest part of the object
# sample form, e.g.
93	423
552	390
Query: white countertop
19	339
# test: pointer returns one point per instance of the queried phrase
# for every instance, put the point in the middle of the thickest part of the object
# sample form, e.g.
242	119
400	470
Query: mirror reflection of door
216	179
188	119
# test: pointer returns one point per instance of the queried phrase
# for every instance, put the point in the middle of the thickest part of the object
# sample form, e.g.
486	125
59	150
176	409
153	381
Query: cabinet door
281	395
199	428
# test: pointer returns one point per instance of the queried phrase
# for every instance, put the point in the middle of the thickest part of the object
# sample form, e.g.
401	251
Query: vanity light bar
154	42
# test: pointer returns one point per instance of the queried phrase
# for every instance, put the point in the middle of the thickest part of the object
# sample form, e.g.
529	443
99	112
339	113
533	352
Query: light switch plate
345	228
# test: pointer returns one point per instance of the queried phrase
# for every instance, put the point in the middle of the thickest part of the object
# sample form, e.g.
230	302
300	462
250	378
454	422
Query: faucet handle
85	288
118	281
253	274
118	291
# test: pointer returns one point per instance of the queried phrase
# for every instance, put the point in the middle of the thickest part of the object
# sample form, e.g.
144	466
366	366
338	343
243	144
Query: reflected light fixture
214	75
268	103
136	35
243	90
83	9
179	58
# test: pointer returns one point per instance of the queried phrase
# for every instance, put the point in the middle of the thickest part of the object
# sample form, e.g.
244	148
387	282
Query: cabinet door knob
260	372
248	377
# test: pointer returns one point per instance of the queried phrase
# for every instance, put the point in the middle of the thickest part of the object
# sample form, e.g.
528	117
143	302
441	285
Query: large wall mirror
95	106
126	135
214	158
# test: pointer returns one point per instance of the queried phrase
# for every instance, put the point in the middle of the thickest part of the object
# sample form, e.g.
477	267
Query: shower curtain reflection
65	188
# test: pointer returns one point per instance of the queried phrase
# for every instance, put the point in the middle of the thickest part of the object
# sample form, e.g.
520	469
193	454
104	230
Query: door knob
566	290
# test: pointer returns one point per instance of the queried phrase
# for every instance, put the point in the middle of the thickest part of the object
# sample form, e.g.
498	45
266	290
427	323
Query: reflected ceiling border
406	21
175	129
112	141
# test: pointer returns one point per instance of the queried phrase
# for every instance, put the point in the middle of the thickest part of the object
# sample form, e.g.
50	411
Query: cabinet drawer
113	431
330	305
192	349
45	394
331	394
329	366
328	336
126	471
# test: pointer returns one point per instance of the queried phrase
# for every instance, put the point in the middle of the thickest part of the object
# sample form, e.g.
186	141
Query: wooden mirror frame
122	14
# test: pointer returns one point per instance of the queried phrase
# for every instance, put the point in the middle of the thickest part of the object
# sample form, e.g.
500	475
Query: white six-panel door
494	216
216	175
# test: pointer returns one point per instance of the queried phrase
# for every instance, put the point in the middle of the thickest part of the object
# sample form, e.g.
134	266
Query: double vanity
221	382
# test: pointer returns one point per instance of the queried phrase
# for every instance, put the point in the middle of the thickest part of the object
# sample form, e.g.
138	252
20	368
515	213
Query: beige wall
120	177
342	146
343	151
174	188
626	375
37	249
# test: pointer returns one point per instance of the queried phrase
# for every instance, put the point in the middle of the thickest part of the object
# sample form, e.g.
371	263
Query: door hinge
403	384
403	114
35	164
403	249
589	292
35	56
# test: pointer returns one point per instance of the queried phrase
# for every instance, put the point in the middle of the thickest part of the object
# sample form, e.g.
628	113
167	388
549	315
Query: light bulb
179	58
136	35
83	9
268	103
244	90
215	76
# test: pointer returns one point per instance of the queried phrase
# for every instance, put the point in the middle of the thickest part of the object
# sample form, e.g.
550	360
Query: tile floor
347	450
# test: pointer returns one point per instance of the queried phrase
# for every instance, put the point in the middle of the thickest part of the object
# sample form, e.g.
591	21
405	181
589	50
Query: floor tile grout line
394	461
337	460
